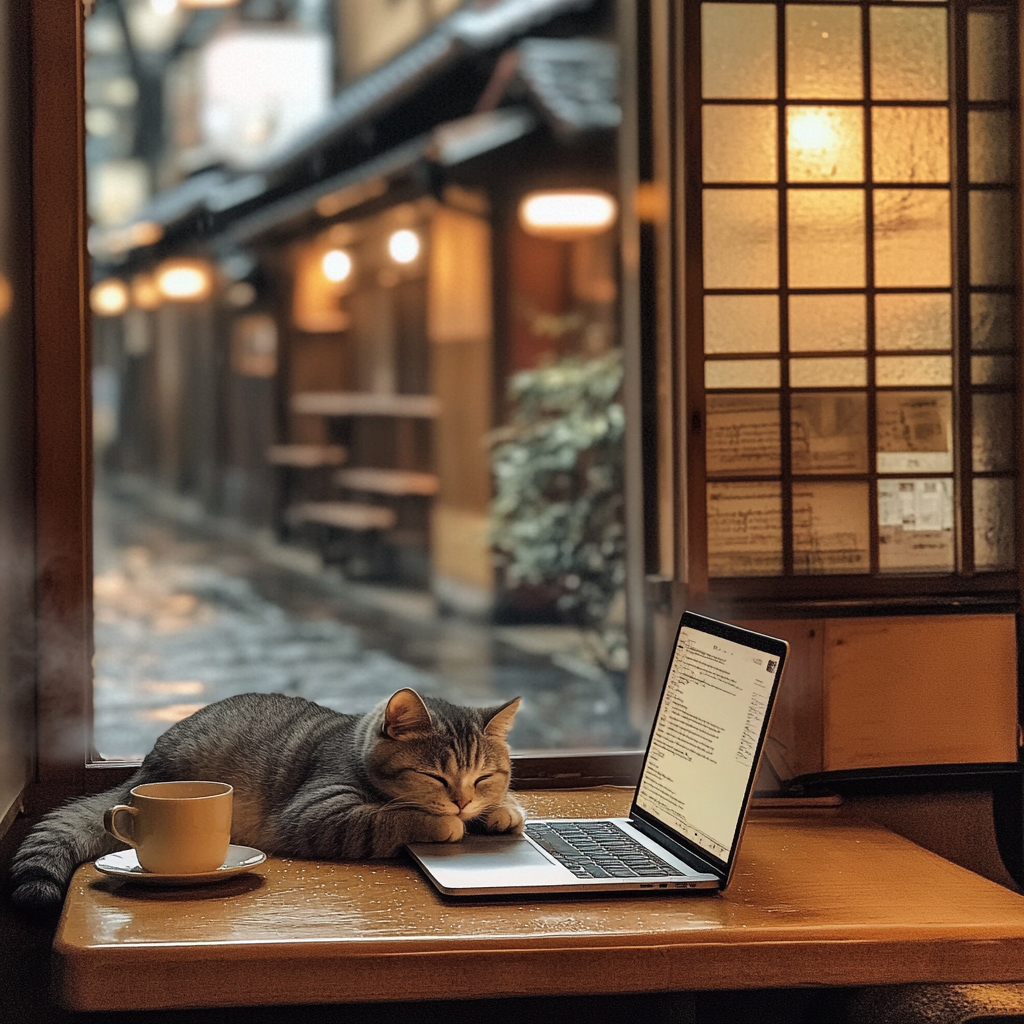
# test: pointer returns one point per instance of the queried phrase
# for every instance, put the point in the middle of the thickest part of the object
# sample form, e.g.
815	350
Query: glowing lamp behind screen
404	246
109	297
184	280
566	214
336	265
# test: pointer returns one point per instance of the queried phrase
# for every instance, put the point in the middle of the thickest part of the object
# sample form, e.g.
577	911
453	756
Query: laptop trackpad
482	860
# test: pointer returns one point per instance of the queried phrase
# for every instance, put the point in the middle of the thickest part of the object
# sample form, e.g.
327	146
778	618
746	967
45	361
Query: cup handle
110	822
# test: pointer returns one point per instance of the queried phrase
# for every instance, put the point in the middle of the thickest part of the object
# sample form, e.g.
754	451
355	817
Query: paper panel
829	433
741	238
829	372
913	321
827	323
741	323
740	144
988	146
826	238
904	371
915	432
823	53
831	532
910	144
824	144
738	51
742	435
992	370
915	525
912	246
908	54
992	433
994	524
741	373
744	529
988	56
991	322
992	225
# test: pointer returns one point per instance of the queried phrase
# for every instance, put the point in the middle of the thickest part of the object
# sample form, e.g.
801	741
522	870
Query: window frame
65	761
796	595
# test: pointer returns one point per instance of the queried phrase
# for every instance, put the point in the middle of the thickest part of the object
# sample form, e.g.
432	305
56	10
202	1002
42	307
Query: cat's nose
463	801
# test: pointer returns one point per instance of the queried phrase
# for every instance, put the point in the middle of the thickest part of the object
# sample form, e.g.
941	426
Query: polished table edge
106	974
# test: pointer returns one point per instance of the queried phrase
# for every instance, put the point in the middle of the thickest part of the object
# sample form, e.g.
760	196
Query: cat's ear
406	716
500	722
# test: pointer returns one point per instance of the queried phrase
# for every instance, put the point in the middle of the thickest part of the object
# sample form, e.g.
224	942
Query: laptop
686	821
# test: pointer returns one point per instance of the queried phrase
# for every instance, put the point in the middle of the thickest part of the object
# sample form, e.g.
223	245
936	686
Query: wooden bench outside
343	515
307	456
365	403
397	483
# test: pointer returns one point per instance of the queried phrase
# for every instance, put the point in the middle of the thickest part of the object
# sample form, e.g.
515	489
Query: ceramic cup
176	828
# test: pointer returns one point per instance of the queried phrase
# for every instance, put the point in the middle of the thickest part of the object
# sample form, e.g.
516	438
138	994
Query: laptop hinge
687	856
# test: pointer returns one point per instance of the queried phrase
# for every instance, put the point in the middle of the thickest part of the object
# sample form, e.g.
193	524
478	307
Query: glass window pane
992	223
991	322
827	323
915	525
908	54
823	53
993	433
738	51
992	370
913	321
910	143
741	238
912	238
824	144
826	238
988	56
742	435
915	432
829	433
831	531
829	372
741	373
994	524
744	529
900	371
741	323
740	143
988	146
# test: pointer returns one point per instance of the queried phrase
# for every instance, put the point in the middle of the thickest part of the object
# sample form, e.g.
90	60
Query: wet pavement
186	616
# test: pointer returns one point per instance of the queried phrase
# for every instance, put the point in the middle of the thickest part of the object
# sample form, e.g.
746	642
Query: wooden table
817	899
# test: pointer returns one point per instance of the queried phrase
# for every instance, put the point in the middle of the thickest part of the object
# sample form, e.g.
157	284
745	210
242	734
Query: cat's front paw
437	828
506	818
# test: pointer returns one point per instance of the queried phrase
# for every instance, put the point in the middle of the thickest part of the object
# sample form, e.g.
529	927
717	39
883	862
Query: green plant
557	517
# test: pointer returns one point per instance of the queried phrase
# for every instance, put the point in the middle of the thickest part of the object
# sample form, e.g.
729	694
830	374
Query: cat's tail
63	839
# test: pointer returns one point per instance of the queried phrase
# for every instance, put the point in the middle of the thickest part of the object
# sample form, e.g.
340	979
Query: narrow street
185	617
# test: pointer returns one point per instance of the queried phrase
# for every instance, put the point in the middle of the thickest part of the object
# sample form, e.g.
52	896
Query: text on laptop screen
706	738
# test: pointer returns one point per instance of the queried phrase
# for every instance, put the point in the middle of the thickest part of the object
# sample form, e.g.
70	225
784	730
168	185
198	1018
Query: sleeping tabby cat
309	782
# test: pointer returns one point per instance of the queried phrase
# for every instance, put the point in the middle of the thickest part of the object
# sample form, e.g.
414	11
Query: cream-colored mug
176	828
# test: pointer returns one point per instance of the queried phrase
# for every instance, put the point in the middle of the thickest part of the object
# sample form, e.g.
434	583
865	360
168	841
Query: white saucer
125	864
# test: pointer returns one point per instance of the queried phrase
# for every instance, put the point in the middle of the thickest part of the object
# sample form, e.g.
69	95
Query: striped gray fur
308	782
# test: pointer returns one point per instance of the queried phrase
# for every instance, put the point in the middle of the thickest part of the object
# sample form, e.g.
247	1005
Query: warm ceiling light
566	214
404	246
145	293
208	3
184	280
109	297
336	265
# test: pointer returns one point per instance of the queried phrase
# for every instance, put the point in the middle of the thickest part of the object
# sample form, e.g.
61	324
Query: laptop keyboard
597	849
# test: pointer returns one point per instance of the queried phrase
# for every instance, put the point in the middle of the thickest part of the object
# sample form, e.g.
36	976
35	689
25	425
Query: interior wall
17	531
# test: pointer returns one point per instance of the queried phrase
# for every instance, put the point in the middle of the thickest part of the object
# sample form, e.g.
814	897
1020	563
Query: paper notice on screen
706	738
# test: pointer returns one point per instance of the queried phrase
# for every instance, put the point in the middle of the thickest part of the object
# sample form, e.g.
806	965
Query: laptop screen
708	733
